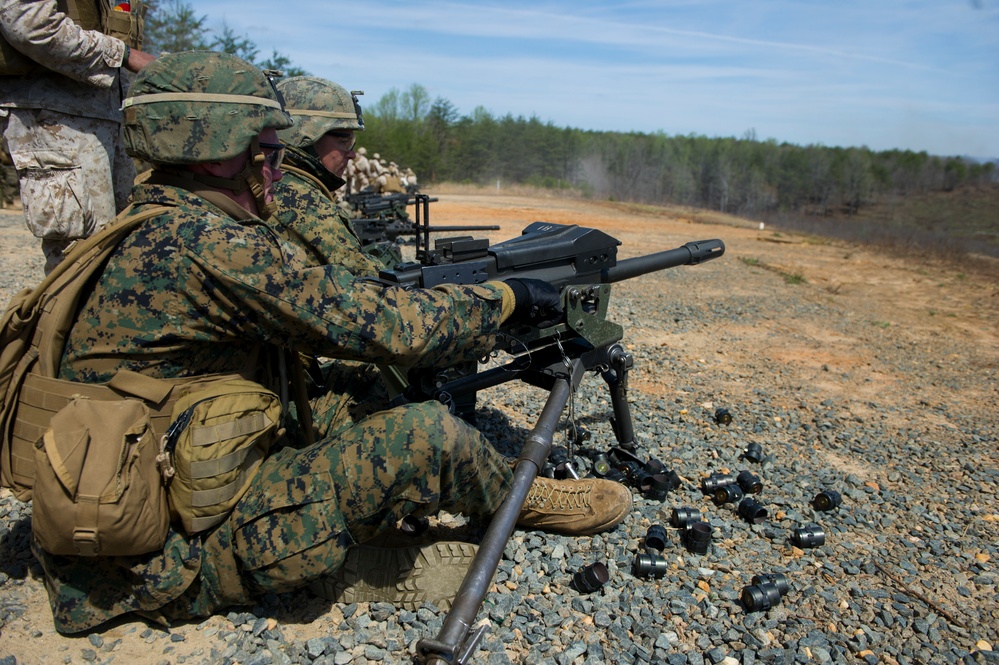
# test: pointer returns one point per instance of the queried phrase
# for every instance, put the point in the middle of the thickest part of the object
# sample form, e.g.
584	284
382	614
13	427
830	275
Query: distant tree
414	103
173	27
387	108
227	41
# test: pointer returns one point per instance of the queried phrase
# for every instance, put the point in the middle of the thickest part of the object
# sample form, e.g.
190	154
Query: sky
918	75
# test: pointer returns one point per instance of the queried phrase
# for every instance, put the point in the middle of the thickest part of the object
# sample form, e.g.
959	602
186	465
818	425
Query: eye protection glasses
273	154
344	141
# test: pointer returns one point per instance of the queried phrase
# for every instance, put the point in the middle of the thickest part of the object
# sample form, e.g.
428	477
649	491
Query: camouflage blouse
194	291
310	218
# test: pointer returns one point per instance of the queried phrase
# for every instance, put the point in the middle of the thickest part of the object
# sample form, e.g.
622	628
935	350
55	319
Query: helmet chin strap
332	181
250	178
253	175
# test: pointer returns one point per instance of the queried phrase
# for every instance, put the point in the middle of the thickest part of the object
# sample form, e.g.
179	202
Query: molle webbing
42	397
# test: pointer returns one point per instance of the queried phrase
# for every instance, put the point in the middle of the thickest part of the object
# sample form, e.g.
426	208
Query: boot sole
406	577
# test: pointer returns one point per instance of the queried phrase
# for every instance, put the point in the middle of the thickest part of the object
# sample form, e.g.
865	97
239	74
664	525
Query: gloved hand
537	302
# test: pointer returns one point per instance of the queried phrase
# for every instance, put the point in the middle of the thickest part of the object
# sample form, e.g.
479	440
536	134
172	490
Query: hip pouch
98	491
217	440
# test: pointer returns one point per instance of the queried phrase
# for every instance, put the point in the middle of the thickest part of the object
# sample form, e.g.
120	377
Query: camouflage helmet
318	106
199	106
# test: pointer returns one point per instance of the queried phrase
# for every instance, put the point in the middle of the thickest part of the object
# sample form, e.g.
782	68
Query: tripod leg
617	381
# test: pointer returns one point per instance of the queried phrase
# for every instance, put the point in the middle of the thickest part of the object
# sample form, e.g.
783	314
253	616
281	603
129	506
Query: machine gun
583	263
373	204
383	218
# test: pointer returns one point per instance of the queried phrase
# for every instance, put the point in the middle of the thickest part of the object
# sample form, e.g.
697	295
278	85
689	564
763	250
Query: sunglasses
275	156
345	142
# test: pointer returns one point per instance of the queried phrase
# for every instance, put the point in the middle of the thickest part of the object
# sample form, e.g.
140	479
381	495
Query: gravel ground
869	376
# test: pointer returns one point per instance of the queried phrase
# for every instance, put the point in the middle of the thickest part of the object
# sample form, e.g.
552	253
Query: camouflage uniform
8	177
62	124
195	291
308	215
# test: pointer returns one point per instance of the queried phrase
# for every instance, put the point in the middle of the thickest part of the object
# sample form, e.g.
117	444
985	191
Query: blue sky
914	74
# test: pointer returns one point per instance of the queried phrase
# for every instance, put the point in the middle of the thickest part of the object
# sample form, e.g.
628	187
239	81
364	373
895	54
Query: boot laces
557	496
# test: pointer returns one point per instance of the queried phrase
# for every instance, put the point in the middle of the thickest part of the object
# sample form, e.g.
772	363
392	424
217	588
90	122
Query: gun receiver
556	253
583	263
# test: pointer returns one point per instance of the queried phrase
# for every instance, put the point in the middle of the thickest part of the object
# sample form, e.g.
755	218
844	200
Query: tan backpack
217	440
32	337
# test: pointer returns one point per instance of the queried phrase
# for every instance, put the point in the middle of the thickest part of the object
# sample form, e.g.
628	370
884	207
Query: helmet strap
253	175
314	165
250	178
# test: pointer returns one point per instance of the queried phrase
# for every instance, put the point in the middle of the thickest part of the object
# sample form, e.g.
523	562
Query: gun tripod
559	368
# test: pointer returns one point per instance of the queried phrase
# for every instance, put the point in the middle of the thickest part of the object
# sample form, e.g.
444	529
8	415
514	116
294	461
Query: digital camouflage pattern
173	114
318	107
193	292
310	217
295	523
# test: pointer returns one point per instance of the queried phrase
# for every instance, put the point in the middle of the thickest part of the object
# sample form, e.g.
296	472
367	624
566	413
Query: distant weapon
384	218
373	204
583	263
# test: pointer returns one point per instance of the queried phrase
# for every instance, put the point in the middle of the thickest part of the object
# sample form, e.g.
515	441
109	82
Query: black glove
537	302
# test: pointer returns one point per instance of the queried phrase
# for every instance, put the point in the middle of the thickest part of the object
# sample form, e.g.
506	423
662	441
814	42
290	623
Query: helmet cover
319	107
199	106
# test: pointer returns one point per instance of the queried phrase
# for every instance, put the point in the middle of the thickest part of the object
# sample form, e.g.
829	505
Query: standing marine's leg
72	175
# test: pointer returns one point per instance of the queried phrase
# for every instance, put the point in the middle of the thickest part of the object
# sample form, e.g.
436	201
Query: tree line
742	176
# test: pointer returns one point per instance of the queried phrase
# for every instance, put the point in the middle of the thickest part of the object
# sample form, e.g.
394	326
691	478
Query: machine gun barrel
688	255
456	228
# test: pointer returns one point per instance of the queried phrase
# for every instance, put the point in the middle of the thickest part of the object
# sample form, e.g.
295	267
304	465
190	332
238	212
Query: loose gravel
906	574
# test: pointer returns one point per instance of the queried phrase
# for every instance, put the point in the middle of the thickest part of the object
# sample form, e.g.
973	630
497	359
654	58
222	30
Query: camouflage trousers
308	506
74	174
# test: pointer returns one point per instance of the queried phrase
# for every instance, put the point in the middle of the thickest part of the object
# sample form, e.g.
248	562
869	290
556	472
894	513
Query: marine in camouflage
194	292
62	124
307	208
209	288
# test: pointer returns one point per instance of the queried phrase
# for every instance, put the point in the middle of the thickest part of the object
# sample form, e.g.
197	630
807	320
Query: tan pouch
214	446
98	491
126	26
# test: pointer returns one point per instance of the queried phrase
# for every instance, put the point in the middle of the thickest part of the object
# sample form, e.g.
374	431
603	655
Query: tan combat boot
575	507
